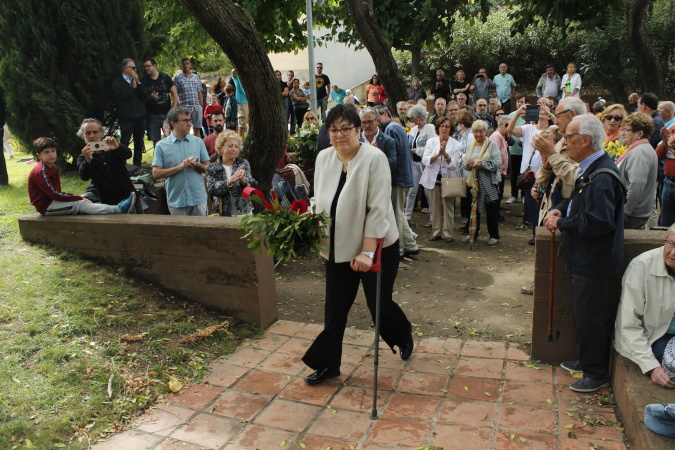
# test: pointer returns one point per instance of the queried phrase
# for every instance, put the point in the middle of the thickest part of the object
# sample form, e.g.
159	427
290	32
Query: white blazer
448	170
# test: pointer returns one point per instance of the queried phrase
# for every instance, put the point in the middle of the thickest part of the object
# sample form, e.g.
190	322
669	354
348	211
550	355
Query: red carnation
299	206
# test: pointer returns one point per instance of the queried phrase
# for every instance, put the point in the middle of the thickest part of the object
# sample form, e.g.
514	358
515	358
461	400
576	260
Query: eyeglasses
557	115
184	120
481	105
567	137
617	118
445	126
498	115
319	67
145	66
367	122
311	118
131	67
627	129
343	131
453	109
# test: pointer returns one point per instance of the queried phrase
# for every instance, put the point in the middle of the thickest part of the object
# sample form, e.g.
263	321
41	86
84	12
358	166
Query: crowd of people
587	174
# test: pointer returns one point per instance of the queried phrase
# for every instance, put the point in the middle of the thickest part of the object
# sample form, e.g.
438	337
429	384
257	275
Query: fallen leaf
577	374
569	426
513	436
302	445
282	444
488	394
333	411
522	439
174	384
549	401
466	388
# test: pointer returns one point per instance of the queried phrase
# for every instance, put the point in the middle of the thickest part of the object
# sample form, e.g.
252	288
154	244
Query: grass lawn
86	347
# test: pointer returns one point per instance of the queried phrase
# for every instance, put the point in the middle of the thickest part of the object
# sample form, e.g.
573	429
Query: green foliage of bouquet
304	143
286	232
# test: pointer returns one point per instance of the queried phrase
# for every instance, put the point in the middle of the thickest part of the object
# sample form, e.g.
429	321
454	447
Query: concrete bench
202	259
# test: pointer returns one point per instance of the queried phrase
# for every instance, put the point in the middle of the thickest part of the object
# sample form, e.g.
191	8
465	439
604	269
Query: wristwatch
370	255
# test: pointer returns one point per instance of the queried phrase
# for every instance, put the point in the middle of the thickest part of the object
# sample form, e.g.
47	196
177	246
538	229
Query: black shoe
464	230
434	238
571	366
411	253
321	375
530	242
588	385
406	349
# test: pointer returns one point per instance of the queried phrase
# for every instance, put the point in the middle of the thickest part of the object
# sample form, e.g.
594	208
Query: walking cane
377	268
551	277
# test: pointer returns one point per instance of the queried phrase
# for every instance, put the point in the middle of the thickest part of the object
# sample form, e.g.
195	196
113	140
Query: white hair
589	125
573	104
417	111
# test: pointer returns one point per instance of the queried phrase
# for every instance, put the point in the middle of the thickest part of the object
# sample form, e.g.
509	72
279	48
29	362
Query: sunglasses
617	118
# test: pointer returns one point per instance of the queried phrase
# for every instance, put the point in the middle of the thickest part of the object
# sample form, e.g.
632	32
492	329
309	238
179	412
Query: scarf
614	136
632	146
469	156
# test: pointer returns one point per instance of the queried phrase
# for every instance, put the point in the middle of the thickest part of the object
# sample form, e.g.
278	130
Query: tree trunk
648	62
415	58
233	29
380	50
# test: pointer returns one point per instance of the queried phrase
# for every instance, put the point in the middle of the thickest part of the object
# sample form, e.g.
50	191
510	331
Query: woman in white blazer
352	183
442	159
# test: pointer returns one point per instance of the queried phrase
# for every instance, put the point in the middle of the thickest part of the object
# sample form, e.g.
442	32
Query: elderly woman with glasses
611	118
638	166
419	136
442	159
353	186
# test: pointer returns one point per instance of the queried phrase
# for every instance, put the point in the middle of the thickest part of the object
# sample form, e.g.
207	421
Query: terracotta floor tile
461	436
480	367
269	342
364	338
449	346
393	431
584	429
484	349
354	354
285	327
387	359
516	371
468	412
367	446
423	383
164	419
432	363
247	357
319	442
282	363
535	441
568	398
530	393
208	431
346	425
525	417
310	331
195	396
475	388
224	374
238	405
358	399
295	346
288	415
585	444
129	439
260	437
516	353
386	378
264	383
346	369
314	395
413	407
177	445
563	377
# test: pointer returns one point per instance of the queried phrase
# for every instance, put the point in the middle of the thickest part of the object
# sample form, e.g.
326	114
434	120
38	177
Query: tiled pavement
452	393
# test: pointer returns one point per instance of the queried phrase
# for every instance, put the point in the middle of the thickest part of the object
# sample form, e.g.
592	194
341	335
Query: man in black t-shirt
322	90
162	97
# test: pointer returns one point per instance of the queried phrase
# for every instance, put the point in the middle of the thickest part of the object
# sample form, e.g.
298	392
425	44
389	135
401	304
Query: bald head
666	110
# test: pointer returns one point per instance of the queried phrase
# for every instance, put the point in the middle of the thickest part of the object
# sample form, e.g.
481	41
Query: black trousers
492	213
592	315
514	170
342	284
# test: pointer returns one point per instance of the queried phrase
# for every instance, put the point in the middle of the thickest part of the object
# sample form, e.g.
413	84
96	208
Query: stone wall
203	259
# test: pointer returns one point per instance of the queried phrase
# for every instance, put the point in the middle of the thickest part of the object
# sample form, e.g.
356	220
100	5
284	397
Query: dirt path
447	290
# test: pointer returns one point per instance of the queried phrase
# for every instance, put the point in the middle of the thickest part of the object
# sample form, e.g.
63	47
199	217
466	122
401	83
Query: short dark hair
173	113
217	112
229	88
651	100
185	58
347	112
440	121
550	66
42	143
152	61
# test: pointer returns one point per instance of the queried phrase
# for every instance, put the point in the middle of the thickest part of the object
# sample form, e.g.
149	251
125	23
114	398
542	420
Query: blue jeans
659	420
659	346
321	104
667	203
135	128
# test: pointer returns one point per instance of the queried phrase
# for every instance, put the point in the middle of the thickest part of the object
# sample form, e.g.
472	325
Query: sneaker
529	290
127	206
531	242
492	241
466	239
571	366
588	385
511	200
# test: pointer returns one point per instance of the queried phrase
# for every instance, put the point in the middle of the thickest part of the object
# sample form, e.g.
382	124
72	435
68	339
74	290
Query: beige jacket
364	208
646	309
563	170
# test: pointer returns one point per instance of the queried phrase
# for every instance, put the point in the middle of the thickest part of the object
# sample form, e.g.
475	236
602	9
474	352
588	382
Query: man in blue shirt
503	83
242	103
181	159
337	94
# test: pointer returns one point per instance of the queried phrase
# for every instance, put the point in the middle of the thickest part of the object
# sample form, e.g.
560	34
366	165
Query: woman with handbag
483	161
442	159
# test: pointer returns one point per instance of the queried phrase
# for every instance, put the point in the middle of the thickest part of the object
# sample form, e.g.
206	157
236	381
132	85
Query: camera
531	113
480	75
98	146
